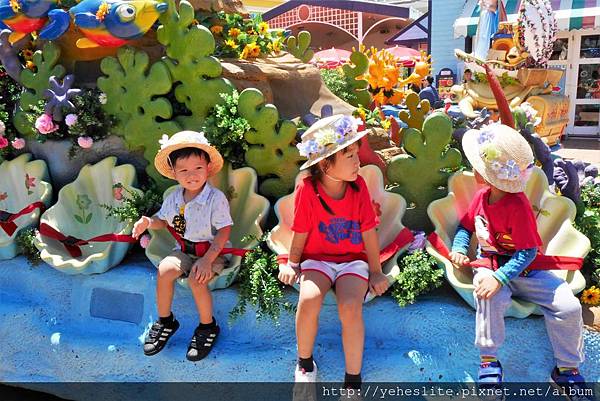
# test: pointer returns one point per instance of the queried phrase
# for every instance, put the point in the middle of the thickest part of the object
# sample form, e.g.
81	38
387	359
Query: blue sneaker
572	385
490	380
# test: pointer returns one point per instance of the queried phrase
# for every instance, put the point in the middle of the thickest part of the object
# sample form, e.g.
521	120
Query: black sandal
201	343
158	336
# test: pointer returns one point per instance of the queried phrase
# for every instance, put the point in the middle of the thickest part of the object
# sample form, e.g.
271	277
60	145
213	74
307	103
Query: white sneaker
302	376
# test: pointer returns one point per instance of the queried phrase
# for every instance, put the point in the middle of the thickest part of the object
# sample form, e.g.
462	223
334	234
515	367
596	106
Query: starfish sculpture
59	96
8	56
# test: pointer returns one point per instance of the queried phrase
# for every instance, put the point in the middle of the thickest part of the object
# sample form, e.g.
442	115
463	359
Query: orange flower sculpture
421	70
383	77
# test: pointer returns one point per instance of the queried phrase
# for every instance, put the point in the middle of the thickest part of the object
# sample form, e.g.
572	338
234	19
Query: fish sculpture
113	23
23	17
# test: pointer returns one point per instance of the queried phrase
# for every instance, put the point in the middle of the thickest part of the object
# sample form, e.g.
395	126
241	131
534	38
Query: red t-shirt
333	234
504	227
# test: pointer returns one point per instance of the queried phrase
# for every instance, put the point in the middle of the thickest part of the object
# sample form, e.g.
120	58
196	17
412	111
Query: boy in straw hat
505	226
195	213
334	242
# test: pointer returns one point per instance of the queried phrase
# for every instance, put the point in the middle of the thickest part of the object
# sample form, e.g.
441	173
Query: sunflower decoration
263	28
591	296
216	29
252	50
231	43
383	77
234	32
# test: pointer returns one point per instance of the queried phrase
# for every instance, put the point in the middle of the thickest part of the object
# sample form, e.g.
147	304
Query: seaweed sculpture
36	83
299	48
58	96
196	75
353	73
133	92
271	152
421	175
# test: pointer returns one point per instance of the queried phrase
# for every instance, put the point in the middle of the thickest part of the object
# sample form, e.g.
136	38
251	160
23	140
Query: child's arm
288	274
145	223
489	285
378	283
202	268
460	246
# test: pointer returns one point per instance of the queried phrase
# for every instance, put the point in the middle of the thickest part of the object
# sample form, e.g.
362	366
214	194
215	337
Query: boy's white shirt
204	215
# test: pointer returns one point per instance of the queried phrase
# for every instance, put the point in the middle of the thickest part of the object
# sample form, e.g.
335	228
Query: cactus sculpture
36	83
271	152
418	174
196	74
415	116
299	48
353	75
132	92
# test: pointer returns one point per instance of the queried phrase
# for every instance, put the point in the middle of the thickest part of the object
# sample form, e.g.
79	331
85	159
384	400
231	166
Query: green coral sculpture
196	74
132	90
299	47
421	175
417	111
353	75
271	152
35	83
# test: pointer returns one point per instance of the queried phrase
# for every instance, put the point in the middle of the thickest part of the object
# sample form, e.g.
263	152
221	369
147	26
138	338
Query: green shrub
419	275
335	81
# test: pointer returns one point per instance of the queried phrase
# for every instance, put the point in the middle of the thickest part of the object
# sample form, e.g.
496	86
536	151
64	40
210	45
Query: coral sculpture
421	174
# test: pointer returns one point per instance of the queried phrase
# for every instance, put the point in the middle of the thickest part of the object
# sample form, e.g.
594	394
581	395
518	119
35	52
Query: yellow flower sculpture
252	50
555	216
591	296
263	28
231	43
383	77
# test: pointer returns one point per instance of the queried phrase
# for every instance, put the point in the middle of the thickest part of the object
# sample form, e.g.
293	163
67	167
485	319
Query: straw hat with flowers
500	155
186	139
327	136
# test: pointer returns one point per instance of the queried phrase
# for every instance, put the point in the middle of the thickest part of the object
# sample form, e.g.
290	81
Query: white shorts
333	271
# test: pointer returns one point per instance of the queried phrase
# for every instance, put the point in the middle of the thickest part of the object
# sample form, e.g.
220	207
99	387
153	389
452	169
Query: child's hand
459	259
378	283
202	271
287	274
140	226
487	287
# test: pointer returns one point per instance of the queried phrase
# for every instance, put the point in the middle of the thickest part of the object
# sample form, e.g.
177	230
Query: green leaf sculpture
23	183
421	175
248	211
35	83
299	47
353	74
132	95
196	74
78	213
271	152
417	111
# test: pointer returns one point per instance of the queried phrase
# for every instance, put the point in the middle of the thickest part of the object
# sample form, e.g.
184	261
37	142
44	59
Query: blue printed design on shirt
340	229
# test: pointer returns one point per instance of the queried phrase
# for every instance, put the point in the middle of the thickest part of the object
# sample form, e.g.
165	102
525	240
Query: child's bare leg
203	299
168	271
350	293
313	287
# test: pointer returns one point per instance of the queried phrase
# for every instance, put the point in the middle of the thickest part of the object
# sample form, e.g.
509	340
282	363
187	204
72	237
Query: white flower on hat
164	141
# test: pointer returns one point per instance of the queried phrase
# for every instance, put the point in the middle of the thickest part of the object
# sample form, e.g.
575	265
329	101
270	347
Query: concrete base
57	327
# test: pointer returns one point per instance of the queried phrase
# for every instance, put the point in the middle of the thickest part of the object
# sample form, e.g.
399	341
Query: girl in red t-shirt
334	243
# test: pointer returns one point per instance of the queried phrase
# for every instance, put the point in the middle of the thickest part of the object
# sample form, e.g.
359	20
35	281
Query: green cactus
35	83
358	85
417	111
271	152
131	90
299	48
196	74
421	175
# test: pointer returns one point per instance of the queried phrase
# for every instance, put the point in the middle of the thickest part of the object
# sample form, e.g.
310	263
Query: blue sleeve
515	266
462	240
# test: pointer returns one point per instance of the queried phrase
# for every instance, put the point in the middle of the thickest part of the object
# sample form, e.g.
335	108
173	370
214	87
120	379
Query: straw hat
327	136
186	139
501	155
